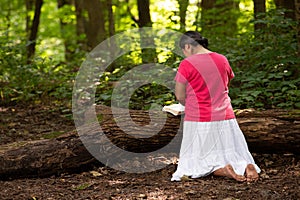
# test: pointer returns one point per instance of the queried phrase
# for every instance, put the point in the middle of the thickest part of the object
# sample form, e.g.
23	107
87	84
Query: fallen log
272	131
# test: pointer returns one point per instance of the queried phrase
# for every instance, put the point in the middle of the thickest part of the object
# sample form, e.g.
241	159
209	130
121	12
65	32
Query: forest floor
279	179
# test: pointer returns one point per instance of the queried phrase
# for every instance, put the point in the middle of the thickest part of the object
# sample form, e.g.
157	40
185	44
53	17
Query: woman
212	140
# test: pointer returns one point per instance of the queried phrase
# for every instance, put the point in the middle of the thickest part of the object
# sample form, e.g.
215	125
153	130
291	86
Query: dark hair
194	38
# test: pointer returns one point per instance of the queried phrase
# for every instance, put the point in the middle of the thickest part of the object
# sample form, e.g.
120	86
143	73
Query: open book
175	109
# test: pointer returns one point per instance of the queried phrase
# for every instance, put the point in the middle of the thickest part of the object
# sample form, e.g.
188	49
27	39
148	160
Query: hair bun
203	41
194	38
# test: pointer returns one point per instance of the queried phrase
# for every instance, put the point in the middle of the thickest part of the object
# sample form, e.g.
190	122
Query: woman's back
207	77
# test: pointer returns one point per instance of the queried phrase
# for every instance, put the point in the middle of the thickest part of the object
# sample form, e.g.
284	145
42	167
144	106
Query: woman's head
193	38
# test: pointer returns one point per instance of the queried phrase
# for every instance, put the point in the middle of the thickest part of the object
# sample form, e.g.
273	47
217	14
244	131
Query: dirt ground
279	179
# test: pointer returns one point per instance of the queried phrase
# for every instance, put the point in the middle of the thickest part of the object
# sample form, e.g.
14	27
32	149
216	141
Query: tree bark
34	30
29	7
112	31
289	5
144	13
148	54
183	5
265	131
68	41
95	28
259	8
111	19
80	25
297	14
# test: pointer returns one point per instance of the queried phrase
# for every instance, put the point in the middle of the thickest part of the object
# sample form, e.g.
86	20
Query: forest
43	44
47	44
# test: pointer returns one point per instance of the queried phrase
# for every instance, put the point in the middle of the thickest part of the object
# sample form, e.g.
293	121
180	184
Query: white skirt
208	146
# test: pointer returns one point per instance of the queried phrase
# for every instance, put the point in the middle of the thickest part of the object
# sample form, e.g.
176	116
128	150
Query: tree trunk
265	131
111	18
80	25
111	30
219	17
206	20
29	8
144	13
68	38
297	14
149	53
259	8
289	5
292	11
183	5
95	28
198	16
34	30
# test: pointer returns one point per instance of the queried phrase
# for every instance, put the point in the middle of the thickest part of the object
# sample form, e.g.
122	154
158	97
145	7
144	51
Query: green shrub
266	65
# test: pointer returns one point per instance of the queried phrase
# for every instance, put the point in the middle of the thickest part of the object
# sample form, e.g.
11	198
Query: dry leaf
185	178
95	173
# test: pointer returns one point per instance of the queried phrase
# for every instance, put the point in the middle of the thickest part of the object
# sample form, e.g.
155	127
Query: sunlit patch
116	182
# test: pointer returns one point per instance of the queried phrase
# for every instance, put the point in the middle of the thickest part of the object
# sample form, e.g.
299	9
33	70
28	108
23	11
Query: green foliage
267	67
37	82
41	80
266	90
138	92
265	62
46	78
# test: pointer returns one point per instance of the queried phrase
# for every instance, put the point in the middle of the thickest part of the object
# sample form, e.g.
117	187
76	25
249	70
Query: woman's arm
180	92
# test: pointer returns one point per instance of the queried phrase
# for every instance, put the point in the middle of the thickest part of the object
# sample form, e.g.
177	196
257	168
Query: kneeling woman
212	140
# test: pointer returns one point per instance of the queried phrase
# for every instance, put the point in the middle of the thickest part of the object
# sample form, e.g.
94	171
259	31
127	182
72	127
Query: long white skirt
208	146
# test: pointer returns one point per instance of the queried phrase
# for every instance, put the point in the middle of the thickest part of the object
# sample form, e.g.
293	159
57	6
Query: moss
52	135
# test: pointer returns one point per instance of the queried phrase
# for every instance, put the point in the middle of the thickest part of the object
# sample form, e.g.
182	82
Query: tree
34	30
289	6
219	17
80	25
183	5
265	133
92	26
68	41
95	24
148	54
144	13
111	19
111	28
207	21
297	11
291	11
259	9
29	7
